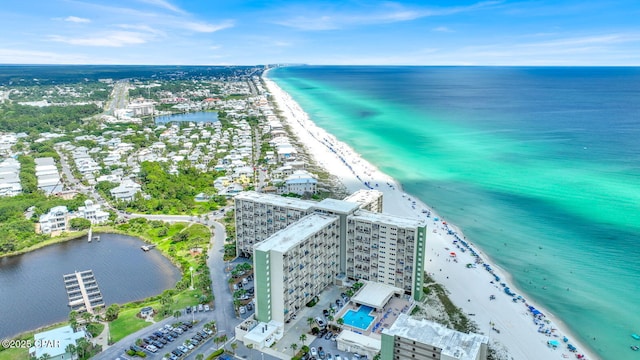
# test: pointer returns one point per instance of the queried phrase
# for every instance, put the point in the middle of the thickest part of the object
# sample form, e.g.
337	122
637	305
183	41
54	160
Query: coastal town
287	243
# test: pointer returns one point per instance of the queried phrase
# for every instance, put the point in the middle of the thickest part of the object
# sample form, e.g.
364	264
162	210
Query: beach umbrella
453	254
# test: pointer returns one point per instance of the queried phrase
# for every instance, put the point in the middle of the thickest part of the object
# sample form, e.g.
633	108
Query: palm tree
294	347
71	349
177	314
223	339
45	356
234	346
86	316
82	345
340	321
250	347
310	321
303	338
199	356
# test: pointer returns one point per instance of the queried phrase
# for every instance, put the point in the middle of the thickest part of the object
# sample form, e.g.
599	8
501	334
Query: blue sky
244	32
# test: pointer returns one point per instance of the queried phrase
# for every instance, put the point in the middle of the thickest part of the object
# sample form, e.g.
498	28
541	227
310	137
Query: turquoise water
360	319
540	167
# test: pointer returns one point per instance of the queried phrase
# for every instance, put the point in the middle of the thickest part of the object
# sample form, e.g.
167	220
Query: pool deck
383	319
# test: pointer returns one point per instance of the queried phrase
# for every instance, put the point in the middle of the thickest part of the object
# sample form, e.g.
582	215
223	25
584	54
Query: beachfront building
294	265
409	339
258	216
55	220
386	249
55	343
370	200
300	182
371	246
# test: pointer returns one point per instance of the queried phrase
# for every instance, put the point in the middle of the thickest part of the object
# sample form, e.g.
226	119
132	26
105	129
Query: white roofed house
300	182
55	220
126	191
93	213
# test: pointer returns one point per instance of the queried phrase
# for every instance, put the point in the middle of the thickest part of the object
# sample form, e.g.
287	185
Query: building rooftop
375	294
293	234
44	161
388	219
453	343
61	337
337	206
363	196
276	200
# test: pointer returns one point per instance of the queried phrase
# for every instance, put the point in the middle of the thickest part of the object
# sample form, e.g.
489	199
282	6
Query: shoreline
515	322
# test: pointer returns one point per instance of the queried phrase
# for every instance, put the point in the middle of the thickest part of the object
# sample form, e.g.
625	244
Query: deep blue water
539	166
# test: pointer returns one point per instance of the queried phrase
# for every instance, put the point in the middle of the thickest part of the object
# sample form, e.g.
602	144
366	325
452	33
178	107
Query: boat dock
91	237
83	291
147	247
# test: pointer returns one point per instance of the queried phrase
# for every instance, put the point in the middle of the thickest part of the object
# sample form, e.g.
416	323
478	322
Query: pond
32	292
196	117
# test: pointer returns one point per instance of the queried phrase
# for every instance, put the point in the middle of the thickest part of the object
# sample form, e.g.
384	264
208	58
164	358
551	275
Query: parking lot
173	341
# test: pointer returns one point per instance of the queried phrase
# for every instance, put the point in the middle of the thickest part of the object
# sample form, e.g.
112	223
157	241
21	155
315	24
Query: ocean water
538	166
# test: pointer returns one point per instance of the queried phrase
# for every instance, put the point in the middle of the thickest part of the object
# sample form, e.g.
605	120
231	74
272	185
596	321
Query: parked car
208	331
337	357
329	356
321	354
245	281
152	348
158	344
249	307
195	341
183	348
242	310
313	351
328	336
200	307
188	309
207	308
325	312
320	322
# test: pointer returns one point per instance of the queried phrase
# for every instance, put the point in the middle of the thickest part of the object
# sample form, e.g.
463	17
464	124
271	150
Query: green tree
199	356
310	322
303	338
112	312
177	314
294	347
79	224
71	349
234	346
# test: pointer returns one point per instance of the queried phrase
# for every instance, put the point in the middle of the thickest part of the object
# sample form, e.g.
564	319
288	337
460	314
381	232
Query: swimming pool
360	319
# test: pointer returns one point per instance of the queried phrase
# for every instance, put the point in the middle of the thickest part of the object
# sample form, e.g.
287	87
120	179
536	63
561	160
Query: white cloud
165	5
109	39
388	13
205	27
442	29
76	19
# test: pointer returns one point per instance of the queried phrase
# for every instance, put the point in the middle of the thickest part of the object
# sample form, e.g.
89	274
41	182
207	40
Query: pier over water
83	291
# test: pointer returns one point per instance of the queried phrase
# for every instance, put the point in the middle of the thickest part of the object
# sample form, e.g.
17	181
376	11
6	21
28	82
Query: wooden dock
83	291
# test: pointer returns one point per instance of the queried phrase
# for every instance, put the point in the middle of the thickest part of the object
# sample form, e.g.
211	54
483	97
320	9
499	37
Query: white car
337	357
242	309
314	352
207	308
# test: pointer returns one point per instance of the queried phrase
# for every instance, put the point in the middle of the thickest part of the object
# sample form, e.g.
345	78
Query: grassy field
126	323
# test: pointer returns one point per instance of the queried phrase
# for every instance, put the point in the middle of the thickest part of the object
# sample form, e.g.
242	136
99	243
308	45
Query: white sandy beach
470	288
